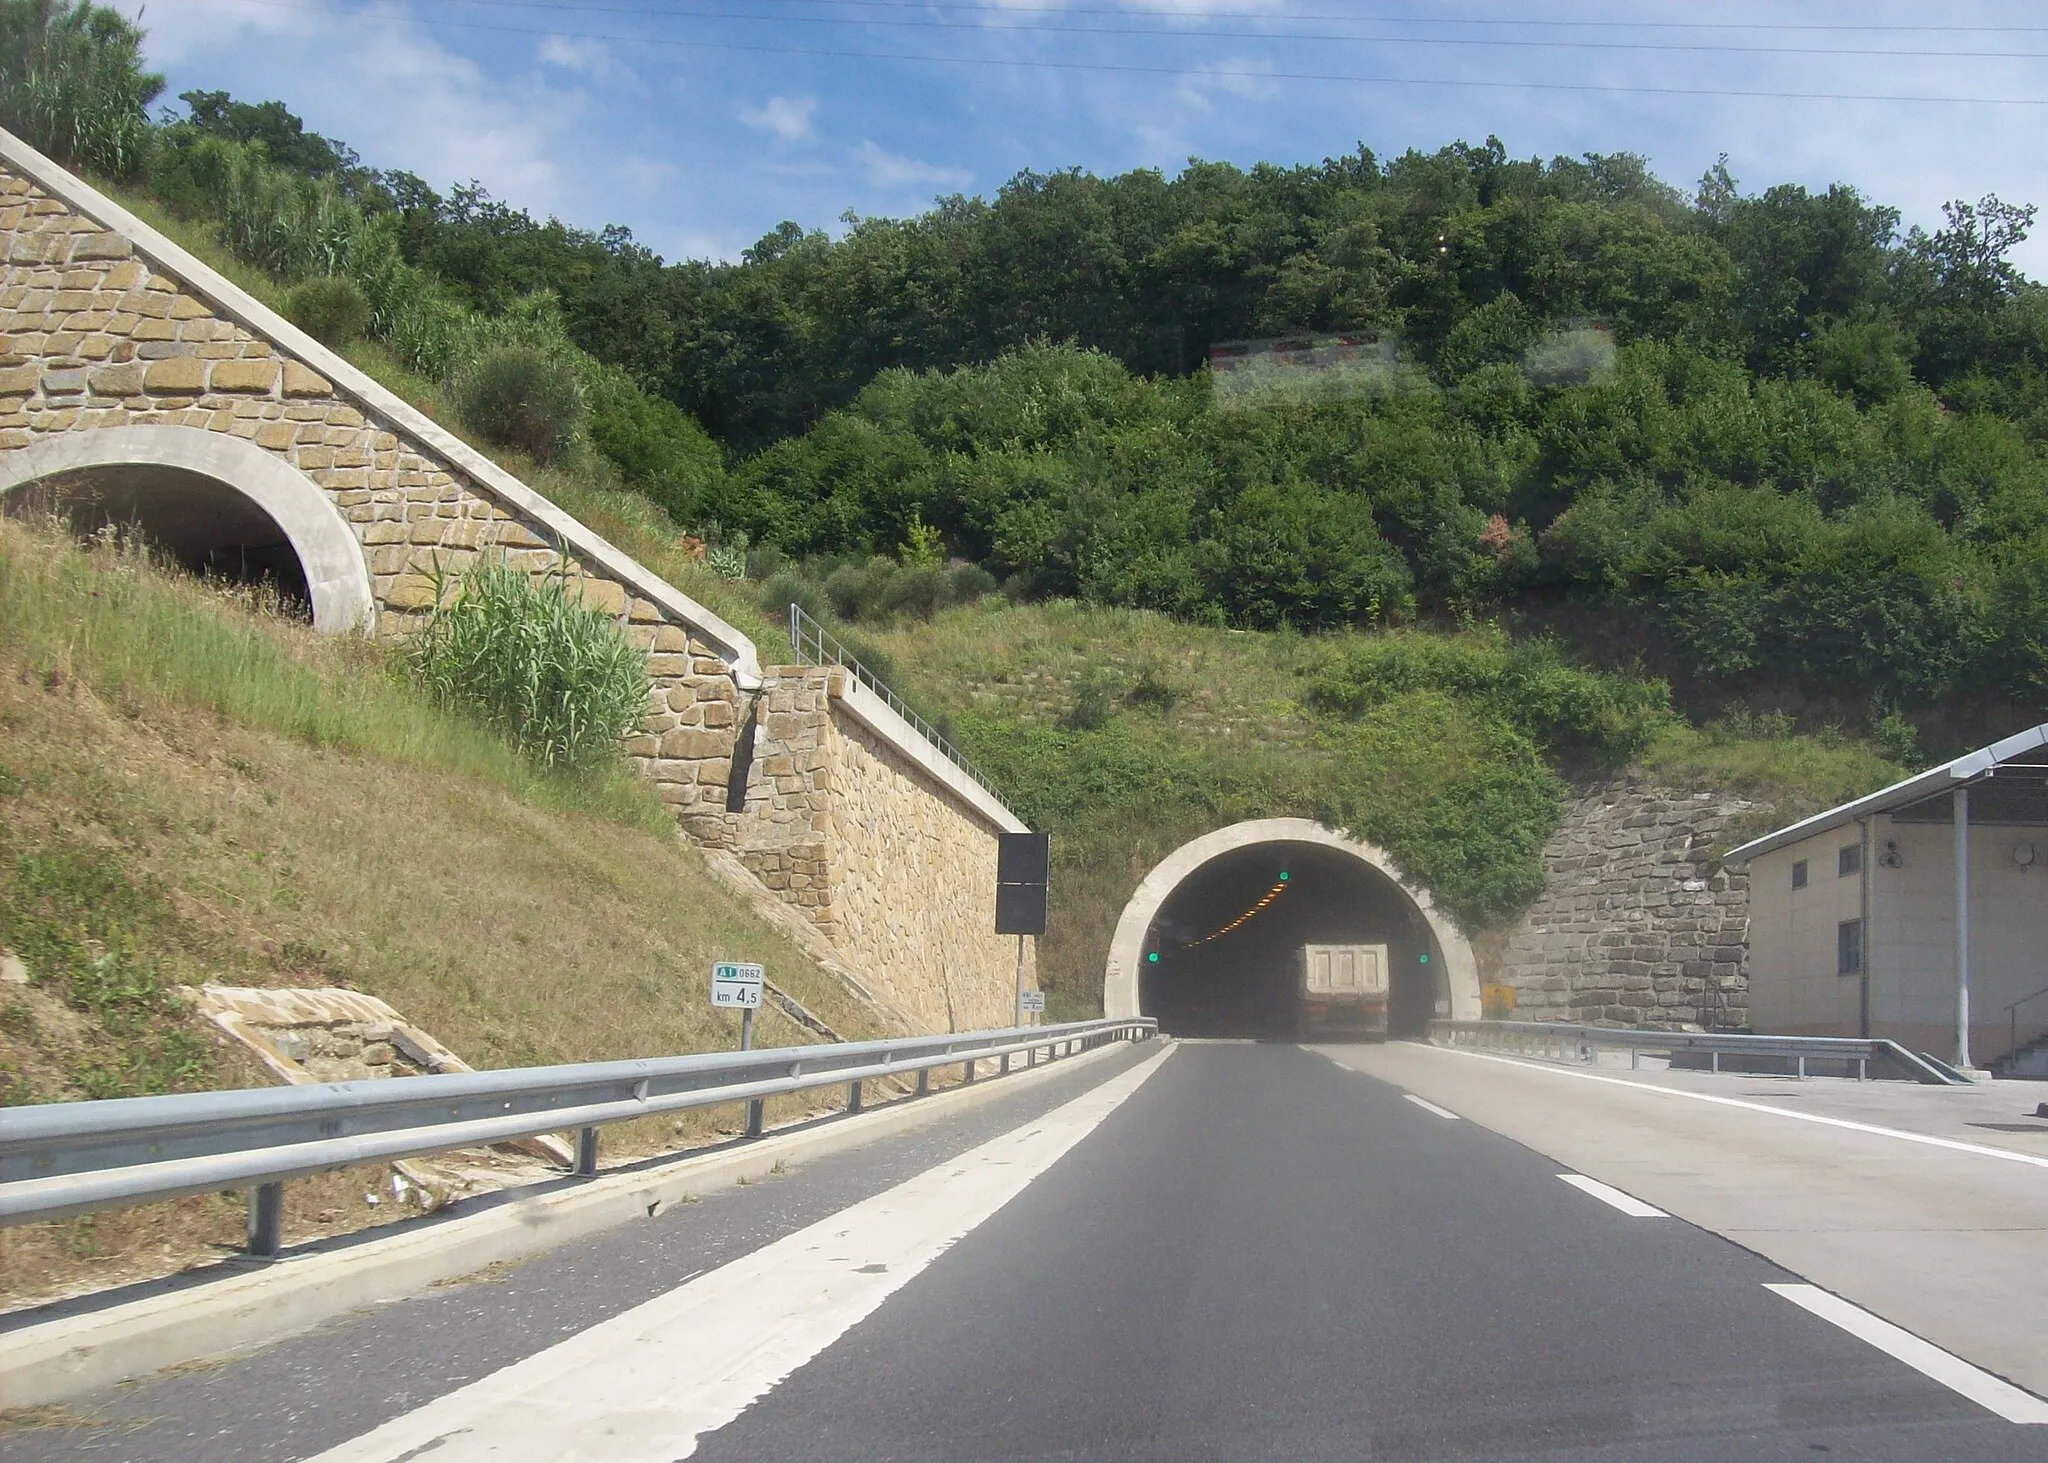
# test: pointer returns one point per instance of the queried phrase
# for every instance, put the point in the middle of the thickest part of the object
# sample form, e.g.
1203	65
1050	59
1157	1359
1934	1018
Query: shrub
523	655
1579	717
786	588
920	590
1458	796
520	396
657	447
329	307
966	583
856	590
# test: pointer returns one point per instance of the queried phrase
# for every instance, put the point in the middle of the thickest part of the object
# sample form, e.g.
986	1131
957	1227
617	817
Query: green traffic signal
1153	958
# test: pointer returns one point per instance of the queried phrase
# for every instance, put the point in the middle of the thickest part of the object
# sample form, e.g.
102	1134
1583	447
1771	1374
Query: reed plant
525	656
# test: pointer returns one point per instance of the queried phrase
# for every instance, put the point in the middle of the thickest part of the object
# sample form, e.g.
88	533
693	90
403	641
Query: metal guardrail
1562	1042
812	644
74	1157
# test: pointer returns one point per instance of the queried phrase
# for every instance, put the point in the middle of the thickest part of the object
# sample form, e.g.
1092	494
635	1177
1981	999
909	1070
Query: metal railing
812	644
1557	1041
76	1157
2012	1018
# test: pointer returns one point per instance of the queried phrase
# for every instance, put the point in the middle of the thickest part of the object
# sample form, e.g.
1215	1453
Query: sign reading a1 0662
1031	1000
736	983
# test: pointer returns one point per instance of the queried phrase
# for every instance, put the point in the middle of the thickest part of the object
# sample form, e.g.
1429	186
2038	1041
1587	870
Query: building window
1849	947
1849	860
1799	875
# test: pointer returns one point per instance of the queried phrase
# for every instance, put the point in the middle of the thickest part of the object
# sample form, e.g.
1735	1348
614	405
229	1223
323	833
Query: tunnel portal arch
169	467
1121	976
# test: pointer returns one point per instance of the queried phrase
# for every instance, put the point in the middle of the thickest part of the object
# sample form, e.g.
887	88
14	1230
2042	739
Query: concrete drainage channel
77	1348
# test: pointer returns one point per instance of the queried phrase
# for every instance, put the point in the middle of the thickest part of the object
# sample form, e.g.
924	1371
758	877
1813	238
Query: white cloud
376	79
789	118
573	53
888	170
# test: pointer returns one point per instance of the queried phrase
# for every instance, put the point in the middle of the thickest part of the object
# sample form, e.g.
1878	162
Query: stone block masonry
119	350
1639	926
95	333
877	847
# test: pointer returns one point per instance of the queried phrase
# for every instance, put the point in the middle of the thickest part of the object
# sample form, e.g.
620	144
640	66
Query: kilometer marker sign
736	983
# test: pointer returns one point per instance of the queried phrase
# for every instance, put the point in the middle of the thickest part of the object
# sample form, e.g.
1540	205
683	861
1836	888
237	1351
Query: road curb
178	1322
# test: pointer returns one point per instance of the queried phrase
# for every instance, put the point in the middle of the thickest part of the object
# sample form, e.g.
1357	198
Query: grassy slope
1234	712
190	791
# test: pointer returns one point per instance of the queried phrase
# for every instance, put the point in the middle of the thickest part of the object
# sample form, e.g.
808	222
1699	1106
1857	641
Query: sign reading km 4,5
736	983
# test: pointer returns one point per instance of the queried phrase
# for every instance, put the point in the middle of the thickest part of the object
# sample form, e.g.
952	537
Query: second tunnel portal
1211	941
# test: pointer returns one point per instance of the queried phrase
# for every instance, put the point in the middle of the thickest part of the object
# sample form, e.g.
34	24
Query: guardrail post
1863	1069
967	1071
1634	1058
755	1116
586	1152
1004	1070
924	1081
853	1097
1714	1060
1802	1066
265	1230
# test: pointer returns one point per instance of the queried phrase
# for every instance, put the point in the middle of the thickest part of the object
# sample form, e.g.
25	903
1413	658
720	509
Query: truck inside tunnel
186	518
1222	958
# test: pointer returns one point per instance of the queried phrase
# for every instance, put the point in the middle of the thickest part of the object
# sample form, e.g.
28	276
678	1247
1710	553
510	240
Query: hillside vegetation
1795	454
1127	733
1747	489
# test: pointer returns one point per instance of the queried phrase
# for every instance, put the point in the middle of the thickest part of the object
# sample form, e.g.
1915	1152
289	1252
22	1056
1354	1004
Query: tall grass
132	633
72	83
525	656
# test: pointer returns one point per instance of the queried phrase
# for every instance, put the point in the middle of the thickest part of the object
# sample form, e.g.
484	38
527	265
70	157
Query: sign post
738	983
1023	863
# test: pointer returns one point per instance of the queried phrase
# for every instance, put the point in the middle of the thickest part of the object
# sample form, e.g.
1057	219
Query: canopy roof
2027	749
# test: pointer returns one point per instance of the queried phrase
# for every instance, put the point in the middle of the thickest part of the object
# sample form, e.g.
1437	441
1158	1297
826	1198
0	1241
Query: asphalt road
1257	1255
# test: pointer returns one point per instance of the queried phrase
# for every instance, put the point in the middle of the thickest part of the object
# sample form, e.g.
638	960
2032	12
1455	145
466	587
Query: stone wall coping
732	646
872	712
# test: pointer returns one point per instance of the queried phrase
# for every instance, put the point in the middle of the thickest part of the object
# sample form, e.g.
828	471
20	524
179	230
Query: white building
1918	913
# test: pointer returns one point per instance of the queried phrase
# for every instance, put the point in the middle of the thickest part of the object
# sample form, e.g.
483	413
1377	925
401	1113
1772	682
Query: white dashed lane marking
1995	1394
1628	1204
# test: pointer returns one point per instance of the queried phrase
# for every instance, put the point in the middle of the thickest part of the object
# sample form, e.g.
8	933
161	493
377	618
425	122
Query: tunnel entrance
1210	941
211	501
1222	957
194	521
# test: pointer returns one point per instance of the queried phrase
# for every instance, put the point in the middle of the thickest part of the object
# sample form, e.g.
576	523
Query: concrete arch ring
1127	946
337	576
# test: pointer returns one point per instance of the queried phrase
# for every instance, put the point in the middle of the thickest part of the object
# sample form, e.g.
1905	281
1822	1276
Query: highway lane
310	1393
1262	1256
1255	1254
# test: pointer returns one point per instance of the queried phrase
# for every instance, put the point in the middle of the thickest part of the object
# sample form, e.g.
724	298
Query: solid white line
1981	1387
1782	1112
644	1386
1427	1106
1628	1204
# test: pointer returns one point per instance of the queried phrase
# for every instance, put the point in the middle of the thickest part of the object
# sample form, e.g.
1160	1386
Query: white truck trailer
1343	991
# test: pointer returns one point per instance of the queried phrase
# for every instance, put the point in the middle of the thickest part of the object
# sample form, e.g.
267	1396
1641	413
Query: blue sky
701	124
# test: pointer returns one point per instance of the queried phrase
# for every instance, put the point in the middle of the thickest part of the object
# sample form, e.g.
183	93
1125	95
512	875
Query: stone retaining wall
875	838
899	874
1639	926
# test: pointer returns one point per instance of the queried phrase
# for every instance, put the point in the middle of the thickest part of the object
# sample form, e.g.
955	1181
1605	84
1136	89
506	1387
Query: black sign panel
1020	909
1023	858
